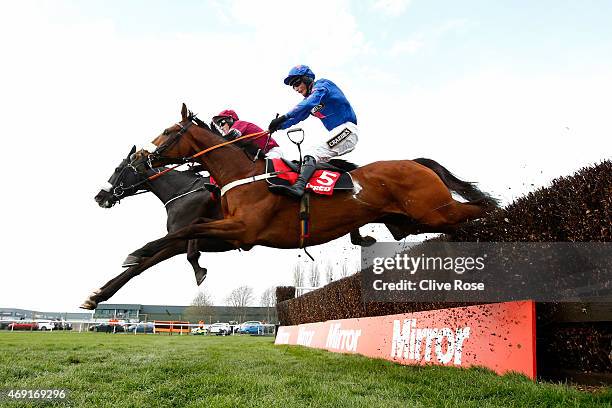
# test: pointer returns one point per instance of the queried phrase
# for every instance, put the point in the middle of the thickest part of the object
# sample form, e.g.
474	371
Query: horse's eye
166	133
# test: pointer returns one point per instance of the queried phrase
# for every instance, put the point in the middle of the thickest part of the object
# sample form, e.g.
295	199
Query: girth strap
247	180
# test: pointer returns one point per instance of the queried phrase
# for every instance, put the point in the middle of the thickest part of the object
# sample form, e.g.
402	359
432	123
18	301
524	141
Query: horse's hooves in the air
131	260
364	241
200	275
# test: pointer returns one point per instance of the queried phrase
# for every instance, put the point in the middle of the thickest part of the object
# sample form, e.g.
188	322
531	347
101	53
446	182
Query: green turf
124	370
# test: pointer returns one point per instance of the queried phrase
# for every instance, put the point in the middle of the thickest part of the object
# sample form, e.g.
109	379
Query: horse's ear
132	151
184	112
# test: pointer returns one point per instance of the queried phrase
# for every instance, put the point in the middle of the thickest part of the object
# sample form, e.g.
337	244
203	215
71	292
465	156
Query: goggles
296	82
222	122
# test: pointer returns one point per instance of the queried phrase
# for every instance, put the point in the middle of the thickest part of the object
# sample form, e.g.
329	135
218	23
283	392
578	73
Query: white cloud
409	46
325	39
392	8
426	37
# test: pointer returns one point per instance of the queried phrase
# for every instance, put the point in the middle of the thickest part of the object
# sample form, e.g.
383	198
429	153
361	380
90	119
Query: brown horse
409	197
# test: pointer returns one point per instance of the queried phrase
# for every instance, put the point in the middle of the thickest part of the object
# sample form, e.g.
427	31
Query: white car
220	329
45	325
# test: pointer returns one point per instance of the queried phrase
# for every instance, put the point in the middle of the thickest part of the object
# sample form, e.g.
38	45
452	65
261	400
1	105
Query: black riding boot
297	189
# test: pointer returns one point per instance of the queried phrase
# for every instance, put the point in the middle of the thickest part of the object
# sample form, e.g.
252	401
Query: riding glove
276	123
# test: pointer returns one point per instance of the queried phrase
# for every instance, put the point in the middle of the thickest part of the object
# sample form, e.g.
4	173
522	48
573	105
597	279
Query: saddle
326	179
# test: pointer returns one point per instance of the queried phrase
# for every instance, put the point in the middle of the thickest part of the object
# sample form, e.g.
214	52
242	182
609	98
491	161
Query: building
7	313
211	314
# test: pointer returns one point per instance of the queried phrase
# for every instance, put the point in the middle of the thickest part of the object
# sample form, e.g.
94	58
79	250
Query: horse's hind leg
193	255
358	239
447	217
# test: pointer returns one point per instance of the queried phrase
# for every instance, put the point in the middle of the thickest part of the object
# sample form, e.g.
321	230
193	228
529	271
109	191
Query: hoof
200	276
89	305
364	241
131	260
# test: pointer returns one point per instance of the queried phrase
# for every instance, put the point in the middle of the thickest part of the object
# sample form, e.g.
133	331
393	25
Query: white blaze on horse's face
148	147
107	187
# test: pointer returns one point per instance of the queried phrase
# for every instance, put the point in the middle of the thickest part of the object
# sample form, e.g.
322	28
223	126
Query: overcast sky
508	93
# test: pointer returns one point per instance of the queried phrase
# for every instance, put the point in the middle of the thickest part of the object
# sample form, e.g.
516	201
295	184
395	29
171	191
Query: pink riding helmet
227	113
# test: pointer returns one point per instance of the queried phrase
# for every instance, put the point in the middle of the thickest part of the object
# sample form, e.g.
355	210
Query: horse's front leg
225	229
112	286
193	255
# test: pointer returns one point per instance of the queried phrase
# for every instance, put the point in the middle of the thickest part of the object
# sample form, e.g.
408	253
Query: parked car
141	328
251	327
22	325
45	325
63	325
107	328
220	329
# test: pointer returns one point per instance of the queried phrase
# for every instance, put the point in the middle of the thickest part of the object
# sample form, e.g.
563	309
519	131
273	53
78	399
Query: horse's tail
465	189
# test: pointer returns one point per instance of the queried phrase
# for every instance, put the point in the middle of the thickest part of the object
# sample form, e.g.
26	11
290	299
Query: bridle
119	190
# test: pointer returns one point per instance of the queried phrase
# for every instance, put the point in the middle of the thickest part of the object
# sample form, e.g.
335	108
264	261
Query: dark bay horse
186	200
408	196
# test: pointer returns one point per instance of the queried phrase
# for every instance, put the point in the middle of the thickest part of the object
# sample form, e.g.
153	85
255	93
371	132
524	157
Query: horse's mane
202	124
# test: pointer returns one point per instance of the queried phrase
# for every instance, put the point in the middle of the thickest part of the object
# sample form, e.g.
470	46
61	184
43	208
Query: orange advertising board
170	326
498	336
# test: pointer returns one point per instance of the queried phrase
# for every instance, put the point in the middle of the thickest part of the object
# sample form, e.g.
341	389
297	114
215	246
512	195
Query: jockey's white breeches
340	140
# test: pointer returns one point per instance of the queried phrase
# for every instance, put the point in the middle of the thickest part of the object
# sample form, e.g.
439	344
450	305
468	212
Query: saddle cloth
325	180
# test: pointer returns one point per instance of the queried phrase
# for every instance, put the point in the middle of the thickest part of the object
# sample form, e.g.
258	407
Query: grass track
122	370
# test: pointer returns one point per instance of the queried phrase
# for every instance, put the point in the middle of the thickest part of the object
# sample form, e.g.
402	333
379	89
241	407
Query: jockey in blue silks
324	100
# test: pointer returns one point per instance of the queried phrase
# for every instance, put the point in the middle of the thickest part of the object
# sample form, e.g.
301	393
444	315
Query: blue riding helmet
299	71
